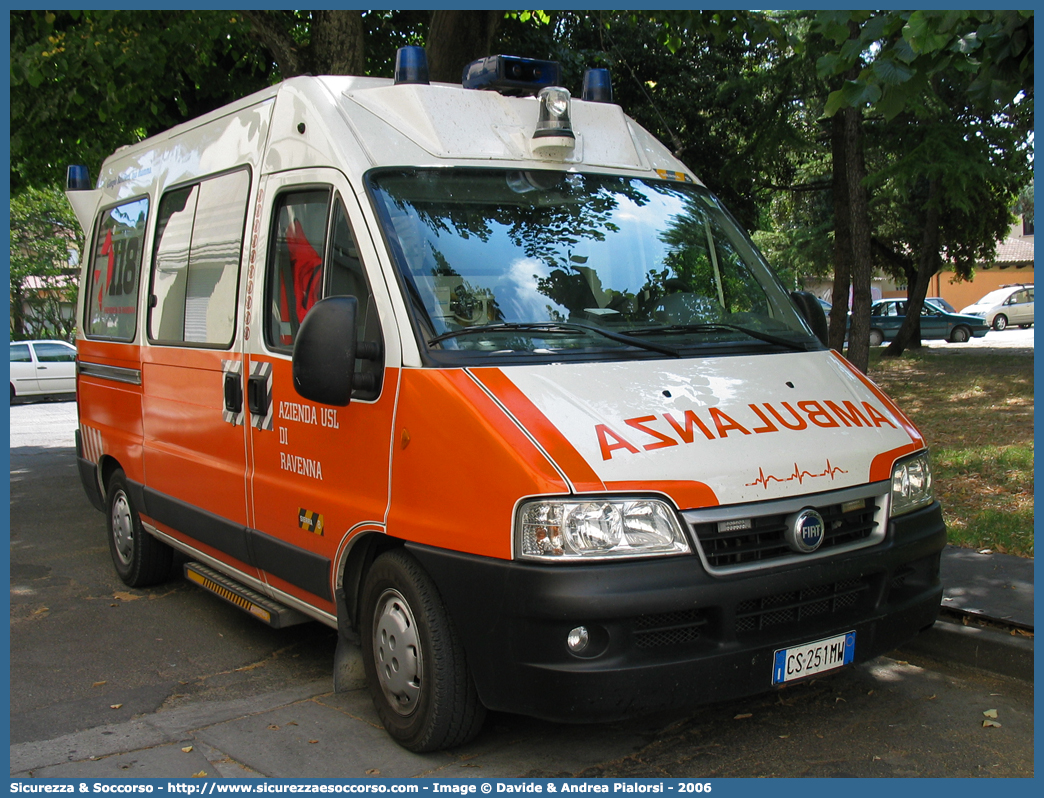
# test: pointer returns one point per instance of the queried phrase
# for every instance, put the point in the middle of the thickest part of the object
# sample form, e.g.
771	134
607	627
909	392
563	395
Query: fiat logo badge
805	531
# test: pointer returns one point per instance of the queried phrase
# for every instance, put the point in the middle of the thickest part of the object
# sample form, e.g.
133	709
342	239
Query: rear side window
195	264
112	298
20	353
55	353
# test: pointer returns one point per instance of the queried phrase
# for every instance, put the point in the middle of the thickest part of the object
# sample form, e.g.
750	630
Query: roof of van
439	123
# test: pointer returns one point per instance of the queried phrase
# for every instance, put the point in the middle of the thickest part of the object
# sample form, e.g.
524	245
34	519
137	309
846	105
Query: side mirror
812	312
325	352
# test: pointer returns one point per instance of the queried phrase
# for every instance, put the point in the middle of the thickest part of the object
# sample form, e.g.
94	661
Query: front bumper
665	634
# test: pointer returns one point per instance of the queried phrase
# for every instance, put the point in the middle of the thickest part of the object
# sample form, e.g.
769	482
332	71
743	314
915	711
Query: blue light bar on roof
510	74
77	179
411	65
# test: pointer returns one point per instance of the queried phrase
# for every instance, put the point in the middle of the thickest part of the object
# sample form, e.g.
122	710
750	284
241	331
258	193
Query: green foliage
86	82
897	53
46	242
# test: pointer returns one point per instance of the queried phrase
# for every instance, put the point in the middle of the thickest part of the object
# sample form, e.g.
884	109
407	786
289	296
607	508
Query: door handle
257	394
233	393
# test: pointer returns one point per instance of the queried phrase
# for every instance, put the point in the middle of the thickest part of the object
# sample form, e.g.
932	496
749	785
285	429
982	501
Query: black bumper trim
513	620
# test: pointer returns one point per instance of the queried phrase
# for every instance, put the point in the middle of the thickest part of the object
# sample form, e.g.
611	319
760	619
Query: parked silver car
42	368
1009	304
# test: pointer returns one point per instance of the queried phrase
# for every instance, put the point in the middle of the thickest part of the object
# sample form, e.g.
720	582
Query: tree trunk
17	315
338	43
859	218
842	239
928	262
456	38
335	45
268	29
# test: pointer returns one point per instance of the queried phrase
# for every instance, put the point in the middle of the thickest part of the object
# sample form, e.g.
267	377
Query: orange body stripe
556	444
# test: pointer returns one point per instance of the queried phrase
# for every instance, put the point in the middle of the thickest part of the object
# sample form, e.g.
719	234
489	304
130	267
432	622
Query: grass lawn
975	408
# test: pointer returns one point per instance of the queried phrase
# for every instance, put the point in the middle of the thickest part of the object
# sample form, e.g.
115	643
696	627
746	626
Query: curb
977	647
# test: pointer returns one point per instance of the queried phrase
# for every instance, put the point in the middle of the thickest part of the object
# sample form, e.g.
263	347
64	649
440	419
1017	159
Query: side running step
261	607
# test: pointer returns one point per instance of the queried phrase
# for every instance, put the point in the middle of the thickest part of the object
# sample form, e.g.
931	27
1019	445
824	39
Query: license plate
798	662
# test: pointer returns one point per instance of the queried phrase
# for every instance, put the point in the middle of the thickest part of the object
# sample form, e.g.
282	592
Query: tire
12	392
959	335
1025	326
1000	322
140	559
415	665
876	338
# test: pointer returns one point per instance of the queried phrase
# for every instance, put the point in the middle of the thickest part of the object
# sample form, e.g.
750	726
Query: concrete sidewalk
987	613
310	729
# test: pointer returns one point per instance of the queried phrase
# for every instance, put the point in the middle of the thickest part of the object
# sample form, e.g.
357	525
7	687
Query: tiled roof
1014	250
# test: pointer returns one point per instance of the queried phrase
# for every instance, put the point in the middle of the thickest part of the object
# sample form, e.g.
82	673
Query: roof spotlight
554	128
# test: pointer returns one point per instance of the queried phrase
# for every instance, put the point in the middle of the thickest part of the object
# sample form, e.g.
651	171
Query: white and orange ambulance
483	377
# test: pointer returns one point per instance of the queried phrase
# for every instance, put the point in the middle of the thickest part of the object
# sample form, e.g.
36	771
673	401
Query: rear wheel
959	335
1000	321
876	338
140	559
1025	326
415	665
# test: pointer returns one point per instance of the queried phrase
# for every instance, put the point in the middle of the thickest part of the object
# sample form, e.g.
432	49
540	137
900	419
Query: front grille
669	628
756	615
764	540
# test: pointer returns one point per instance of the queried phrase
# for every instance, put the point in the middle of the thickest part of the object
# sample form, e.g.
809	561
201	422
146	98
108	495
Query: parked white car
42	368
1009	304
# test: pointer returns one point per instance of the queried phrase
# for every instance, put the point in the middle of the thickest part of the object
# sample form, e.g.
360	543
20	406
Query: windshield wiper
723	327
555	328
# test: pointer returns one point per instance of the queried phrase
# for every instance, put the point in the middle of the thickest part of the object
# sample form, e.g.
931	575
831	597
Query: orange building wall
962	294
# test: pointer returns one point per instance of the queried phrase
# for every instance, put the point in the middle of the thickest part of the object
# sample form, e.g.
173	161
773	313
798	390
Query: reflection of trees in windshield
488	246
545	215
703	261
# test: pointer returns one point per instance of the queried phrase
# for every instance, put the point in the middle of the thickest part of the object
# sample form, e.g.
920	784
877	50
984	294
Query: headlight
555	530
911	484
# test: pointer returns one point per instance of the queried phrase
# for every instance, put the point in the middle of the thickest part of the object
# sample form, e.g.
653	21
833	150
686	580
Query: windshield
539	263
994	297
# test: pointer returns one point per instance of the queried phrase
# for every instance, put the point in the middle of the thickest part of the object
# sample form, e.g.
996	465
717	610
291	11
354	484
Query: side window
295	268
112	298
55	353
20	353
195	265
346	277
314	255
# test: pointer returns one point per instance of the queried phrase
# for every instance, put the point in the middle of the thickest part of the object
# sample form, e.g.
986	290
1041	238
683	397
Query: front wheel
1000	322
139	558
959	335
415	666
876	338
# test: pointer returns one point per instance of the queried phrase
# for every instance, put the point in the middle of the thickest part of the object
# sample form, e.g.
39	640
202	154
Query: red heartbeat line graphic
798	474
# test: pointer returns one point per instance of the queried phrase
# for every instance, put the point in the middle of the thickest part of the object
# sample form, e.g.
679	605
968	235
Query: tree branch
267	28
